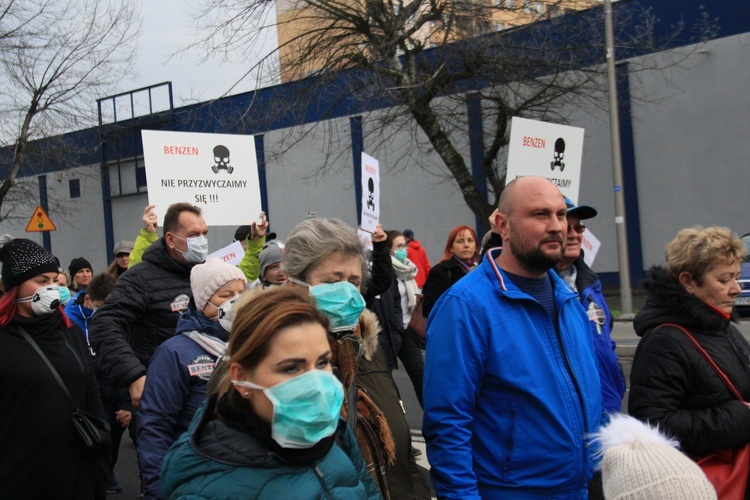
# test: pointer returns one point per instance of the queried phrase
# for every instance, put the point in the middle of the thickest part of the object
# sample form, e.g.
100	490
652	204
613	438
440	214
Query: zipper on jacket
577	387
319	474
580	400
582	418
511	443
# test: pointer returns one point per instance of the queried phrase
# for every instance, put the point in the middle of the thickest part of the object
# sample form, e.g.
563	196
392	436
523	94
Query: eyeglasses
579	228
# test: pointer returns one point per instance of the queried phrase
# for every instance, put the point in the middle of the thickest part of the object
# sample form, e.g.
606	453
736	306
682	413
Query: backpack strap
723	376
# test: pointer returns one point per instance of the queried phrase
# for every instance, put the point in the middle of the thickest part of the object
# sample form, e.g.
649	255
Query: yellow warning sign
40	222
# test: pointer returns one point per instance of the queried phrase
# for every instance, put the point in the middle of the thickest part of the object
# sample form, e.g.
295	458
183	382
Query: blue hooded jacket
78	314
175	388
509	401
600	319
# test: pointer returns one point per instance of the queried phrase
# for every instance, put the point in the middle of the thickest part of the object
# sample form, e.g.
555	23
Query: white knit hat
208	277
638	462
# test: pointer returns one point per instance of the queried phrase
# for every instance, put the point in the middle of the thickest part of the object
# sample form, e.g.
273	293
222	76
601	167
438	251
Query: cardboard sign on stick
546	150
216	172
590	246
231	254
365	238
370	193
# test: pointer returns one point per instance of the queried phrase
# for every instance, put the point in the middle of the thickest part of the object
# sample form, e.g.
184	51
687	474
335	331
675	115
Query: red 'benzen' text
534	142
180	150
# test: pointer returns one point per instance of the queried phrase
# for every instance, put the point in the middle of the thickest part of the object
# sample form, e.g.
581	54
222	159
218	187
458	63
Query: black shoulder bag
93	430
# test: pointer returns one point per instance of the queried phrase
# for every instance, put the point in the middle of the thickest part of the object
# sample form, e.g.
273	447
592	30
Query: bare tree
427	58
56	58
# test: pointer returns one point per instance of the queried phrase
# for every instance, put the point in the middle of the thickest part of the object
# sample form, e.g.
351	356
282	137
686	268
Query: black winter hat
23	259
242	233
77	264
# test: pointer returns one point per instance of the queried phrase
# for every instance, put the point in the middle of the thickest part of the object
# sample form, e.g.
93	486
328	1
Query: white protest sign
365	238
231	254
216	172
370	193
590	247
546	150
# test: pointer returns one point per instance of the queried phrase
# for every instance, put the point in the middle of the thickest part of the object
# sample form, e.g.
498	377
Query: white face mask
44	301
225	313
197	248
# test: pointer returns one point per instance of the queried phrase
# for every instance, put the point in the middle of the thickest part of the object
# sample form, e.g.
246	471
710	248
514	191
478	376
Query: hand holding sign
379	235
150	220
259	230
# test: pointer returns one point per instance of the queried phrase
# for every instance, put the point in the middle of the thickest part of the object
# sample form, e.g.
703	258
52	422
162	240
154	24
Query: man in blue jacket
574	271
511	386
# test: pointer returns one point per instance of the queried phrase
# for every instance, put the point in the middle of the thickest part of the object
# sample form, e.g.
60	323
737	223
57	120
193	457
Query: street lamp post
626	297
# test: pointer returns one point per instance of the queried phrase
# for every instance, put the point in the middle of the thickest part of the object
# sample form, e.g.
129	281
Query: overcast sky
167	28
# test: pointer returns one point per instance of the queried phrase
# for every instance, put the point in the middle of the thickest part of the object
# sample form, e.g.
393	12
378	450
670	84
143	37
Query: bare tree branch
57	58
424	57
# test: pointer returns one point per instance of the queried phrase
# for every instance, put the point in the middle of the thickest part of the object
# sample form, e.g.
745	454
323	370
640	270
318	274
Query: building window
75	188
140	177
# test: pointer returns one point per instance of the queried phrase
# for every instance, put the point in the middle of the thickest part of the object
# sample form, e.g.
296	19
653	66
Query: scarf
466	267
211	345
405	271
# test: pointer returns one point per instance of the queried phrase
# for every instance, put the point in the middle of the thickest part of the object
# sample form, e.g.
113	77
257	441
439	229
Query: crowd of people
273	379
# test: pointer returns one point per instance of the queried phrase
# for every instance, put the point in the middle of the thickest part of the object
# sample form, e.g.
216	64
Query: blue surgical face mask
400	254
305	409
64	294
341	302
197	248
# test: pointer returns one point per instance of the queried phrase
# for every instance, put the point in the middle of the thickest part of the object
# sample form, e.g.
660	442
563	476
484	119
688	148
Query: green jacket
250	265
144	240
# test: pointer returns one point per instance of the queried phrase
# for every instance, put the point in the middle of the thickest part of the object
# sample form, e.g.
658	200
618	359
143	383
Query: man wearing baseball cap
574	271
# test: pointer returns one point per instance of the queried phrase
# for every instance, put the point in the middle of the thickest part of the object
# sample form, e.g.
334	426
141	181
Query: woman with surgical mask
62	281
326	258
44	456
181	366
409	352
274	429
405	273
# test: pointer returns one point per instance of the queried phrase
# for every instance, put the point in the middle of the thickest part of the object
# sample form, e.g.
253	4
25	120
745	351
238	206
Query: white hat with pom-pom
639	462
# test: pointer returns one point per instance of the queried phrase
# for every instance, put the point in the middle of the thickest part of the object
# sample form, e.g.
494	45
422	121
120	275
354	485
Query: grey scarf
405	271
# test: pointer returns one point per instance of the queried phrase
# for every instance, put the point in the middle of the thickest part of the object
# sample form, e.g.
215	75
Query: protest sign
546	150
231	254
590	246
365	238
216	172
370	193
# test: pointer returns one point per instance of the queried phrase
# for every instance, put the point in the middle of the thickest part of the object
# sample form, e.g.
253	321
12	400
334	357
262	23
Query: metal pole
623	259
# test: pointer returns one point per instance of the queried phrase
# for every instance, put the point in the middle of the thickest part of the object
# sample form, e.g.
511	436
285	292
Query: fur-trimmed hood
344	349
369	328
669	302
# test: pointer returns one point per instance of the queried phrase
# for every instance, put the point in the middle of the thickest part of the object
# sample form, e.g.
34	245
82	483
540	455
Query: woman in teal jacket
273	430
